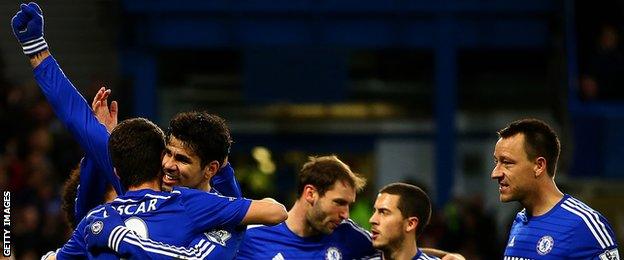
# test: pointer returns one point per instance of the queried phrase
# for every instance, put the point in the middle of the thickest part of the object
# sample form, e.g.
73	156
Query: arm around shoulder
266	211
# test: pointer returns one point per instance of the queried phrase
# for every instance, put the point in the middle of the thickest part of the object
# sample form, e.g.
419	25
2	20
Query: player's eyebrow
341	201
183	158
382	209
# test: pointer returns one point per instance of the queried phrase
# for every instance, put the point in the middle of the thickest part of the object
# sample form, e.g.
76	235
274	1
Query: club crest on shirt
97	227
545	244
333	254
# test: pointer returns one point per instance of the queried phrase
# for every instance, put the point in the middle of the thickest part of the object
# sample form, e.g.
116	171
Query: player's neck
545	197
205	186
152	185
297	222
406	250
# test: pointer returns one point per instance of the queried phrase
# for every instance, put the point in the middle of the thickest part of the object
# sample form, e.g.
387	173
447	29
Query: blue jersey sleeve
202	247
209	211
225	182
75	248
72	109
594	239
90	191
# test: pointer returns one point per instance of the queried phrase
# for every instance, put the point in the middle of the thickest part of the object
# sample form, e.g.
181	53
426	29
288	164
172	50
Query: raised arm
69	106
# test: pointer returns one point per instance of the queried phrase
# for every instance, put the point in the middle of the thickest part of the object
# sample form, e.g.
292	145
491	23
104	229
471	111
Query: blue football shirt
175	218
570	230
96	169
348	241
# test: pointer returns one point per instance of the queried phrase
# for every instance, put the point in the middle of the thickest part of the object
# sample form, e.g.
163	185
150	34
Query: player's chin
377	243
328	229
506	198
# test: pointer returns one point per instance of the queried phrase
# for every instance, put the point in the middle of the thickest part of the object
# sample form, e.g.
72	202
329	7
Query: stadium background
401	90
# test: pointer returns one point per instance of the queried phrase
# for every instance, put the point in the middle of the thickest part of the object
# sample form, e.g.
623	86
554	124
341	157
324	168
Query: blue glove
225	182
28	28
105	232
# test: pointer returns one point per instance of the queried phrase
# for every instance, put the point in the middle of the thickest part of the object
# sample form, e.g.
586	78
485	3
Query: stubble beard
315	218
393	245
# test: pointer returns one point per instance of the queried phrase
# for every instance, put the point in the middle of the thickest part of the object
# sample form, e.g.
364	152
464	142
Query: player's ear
211	169
540	166
411	224
309	193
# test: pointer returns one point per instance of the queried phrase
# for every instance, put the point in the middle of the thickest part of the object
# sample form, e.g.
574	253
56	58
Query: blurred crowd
35	158
602	71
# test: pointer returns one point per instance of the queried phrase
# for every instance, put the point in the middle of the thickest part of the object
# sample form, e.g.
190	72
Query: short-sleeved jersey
570	230
175	218
214	244
348	241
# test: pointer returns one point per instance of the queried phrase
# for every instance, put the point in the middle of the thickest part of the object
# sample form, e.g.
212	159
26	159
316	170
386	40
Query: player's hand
105	232
27	27
226	170
51	255
105	115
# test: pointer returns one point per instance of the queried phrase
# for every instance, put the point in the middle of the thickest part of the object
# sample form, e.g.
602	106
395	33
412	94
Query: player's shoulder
588	223
98	211
350	229
263	230
579	211
422	256
184	190
187	194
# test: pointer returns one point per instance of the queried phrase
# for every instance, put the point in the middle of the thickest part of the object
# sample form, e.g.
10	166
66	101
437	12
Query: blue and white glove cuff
34	46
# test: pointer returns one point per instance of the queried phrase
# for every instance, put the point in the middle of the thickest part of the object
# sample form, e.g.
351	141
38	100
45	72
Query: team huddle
143	193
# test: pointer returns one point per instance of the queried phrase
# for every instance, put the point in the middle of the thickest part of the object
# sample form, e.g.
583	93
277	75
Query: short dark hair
413	202
136	147
205	134
540	140
322	172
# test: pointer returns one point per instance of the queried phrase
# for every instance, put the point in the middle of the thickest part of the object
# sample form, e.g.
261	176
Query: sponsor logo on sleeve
218	236
612	254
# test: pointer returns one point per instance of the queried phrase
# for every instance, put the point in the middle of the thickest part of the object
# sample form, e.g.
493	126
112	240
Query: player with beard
73	111
318	225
